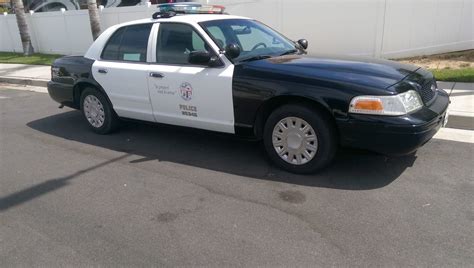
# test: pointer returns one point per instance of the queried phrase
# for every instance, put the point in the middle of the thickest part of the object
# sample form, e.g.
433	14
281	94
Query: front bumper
399	135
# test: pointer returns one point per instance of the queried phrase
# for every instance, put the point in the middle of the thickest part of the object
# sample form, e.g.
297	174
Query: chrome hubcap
94	111
295	141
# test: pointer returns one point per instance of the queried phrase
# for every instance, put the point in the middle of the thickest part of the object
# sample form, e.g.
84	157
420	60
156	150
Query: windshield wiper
293	51
259	57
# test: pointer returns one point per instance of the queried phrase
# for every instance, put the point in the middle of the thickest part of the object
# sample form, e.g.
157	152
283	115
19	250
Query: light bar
191	8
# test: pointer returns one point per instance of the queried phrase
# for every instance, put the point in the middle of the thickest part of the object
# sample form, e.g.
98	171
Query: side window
112	47
128	44
198	43
176	41
134	43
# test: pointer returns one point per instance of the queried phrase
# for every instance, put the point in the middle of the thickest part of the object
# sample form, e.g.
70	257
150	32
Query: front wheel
97	111
300	139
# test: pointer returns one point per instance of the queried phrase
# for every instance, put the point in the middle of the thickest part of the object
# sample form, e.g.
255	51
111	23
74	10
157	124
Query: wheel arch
83	84
270	105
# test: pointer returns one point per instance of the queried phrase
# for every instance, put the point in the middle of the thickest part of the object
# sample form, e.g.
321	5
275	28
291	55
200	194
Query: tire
316	145
98	112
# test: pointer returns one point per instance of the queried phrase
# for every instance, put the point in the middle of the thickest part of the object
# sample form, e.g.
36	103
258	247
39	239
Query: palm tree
94	18
23	27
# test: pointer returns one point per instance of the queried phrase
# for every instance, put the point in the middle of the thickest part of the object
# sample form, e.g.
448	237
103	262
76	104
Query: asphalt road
164	196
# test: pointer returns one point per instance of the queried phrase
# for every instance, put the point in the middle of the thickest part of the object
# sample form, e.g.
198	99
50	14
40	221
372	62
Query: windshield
255	39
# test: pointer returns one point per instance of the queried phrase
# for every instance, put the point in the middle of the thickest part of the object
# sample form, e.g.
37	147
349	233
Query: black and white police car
193	65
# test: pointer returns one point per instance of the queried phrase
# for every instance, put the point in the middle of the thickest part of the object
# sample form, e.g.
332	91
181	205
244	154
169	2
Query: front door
184	94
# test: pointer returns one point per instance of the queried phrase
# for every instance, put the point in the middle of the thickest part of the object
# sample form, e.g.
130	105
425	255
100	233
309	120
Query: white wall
66	32
380	28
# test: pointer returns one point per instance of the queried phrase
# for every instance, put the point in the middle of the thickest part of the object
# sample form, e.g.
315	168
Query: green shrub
4	9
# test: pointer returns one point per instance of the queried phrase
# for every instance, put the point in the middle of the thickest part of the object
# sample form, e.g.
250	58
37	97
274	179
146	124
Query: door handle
156	75
102	71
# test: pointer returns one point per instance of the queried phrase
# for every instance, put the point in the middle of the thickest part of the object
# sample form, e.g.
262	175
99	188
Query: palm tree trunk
94	18
23	27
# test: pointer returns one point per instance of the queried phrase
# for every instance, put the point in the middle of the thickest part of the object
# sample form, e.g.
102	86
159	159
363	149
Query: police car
193	65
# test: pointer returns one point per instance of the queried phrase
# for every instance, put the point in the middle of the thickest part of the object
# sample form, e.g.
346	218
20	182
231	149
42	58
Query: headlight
54	72
400	104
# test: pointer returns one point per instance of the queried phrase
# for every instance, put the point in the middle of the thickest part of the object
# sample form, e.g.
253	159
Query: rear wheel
97	111
300	139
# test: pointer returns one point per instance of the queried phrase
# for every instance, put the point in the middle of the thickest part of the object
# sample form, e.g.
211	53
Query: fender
259	91
81	83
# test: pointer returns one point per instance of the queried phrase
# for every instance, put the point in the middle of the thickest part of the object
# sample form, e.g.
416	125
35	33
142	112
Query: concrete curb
24	81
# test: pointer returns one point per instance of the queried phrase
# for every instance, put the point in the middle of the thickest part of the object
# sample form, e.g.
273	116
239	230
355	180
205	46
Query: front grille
427	93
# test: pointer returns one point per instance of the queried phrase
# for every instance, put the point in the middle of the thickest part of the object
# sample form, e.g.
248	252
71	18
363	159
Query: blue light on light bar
191	8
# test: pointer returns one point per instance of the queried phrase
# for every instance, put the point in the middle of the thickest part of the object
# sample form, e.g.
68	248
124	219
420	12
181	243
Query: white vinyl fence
378	28
66	33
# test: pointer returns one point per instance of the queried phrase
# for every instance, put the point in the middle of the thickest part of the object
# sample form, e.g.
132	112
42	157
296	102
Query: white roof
195	18
200	18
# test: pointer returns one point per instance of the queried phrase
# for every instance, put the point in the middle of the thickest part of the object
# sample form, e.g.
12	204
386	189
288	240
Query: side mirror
232	51
204	58
303	43
199	57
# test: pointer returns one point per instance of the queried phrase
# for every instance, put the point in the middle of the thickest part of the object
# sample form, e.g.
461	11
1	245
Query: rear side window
111	49
128	44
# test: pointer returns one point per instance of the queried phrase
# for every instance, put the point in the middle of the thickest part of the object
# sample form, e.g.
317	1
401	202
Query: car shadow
351	170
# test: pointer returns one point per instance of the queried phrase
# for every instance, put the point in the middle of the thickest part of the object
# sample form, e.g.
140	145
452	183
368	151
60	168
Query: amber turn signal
370	105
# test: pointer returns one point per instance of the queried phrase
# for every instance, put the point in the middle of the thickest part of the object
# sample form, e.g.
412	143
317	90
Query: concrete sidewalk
31	75
461	109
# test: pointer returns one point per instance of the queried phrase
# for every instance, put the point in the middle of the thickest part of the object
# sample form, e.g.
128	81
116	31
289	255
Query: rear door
184	94
122	71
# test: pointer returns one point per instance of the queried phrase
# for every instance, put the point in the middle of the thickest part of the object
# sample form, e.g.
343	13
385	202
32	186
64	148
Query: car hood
366	72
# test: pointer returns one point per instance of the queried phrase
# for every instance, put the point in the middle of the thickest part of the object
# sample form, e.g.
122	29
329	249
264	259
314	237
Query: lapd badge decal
186	91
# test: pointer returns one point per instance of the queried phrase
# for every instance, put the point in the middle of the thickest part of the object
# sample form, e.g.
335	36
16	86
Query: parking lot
155	195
